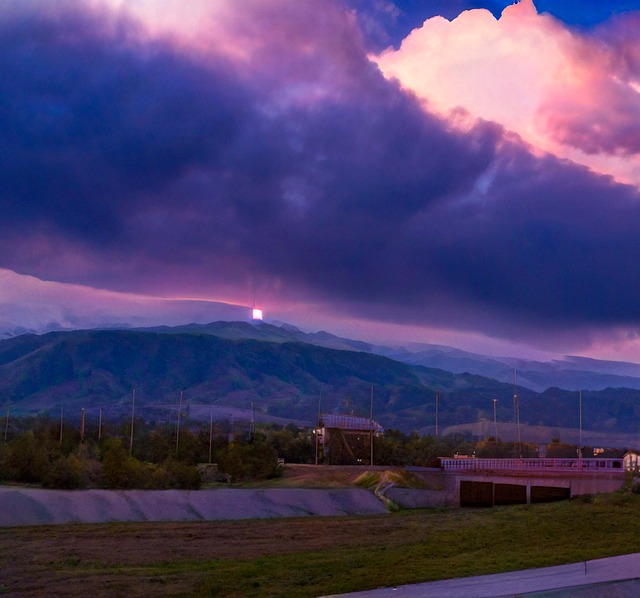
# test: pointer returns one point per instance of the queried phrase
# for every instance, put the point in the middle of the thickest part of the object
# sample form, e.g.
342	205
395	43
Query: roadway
613	577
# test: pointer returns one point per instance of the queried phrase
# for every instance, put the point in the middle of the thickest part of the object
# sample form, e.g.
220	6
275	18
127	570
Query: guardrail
473	464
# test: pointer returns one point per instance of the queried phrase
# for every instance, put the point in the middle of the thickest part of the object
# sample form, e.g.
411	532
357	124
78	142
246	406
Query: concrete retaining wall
30	506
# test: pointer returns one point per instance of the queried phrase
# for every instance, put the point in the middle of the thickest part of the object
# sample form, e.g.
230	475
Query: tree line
39	450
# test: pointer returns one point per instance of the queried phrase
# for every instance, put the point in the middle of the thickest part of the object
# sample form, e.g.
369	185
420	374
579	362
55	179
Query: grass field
311	556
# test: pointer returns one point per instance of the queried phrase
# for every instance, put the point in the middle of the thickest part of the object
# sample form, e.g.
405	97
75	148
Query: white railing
473	464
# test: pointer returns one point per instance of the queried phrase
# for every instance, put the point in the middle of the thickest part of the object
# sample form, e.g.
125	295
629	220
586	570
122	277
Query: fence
473	464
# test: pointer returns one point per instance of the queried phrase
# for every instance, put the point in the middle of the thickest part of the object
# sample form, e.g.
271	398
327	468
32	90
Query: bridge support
488	491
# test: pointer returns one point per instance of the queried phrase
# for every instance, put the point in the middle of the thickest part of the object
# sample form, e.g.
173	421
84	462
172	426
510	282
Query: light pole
580	437
317	429
133	414
495	422
371	426
516	412
6	426
178	424
210	433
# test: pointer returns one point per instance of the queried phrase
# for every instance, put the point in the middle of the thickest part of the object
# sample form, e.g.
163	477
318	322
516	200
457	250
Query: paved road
619	576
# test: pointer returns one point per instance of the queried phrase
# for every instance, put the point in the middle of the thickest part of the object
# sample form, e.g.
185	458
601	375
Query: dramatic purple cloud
141	163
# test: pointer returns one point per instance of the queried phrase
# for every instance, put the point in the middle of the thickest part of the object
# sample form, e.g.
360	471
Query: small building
346	439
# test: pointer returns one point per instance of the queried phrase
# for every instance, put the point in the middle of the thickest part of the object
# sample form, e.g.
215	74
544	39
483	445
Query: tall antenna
253	421
371	425
178	423
580	442
6	426
210	433
133	413
495	422
318	424
516	411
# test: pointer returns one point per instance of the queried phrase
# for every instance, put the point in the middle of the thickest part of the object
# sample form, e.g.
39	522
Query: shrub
66	473
4	455
181	475
250	461
119	470
26	461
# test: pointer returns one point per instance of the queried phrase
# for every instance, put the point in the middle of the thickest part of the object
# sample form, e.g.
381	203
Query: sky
447	171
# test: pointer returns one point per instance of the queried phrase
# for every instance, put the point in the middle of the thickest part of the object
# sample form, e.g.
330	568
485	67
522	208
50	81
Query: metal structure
346	439
575	465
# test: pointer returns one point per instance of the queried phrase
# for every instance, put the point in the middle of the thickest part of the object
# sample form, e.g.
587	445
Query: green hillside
99	369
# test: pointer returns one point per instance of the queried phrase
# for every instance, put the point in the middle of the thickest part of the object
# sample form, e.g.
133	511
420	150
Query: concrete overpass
489	482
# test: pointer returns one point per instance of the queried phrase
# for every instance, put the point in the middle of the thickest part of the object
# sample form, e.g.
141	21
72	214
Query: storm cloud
280	154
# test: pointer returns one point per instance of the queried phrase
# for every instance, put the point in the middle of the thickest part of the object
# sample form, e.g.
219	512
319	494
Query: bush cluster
41	455
161	458
106	465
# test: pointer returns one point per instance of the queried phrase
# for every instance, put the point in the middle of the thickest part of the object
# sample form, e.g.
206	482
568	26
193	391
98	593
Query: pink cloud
563	92
598	109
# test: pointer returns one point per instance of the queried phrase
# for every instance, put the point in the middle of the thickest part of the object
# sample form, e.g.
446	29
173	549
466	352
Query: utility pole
178	424
61	421
371	425
516	409
495	422
100	426
317	430
82	425
210	433
437	399
6	426
133	412
580	438
252	430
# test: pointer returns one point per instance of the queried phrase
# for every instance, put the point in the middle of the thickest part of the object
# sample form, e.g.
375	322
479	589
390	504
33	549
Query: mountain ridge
285	379
568	373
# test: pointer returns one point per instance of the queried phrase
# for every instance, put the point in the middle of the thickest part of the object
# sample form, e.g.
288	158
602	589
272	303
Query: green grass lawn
356	553
442	545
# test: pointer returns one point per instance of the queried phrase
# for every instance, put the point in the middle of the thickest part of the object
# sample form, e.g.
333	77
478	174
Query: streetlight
580	438
133	413
178	424
516	412
495	422
6	426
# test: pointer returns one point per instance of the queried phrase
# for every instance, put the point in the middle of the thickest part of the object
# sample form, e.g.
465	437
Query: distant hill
271	332
569	373
100	369
286	381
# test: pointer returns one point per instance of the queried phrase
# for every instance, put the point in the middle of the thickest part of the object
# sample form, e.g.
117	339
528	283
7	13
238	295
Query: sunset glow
389	171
